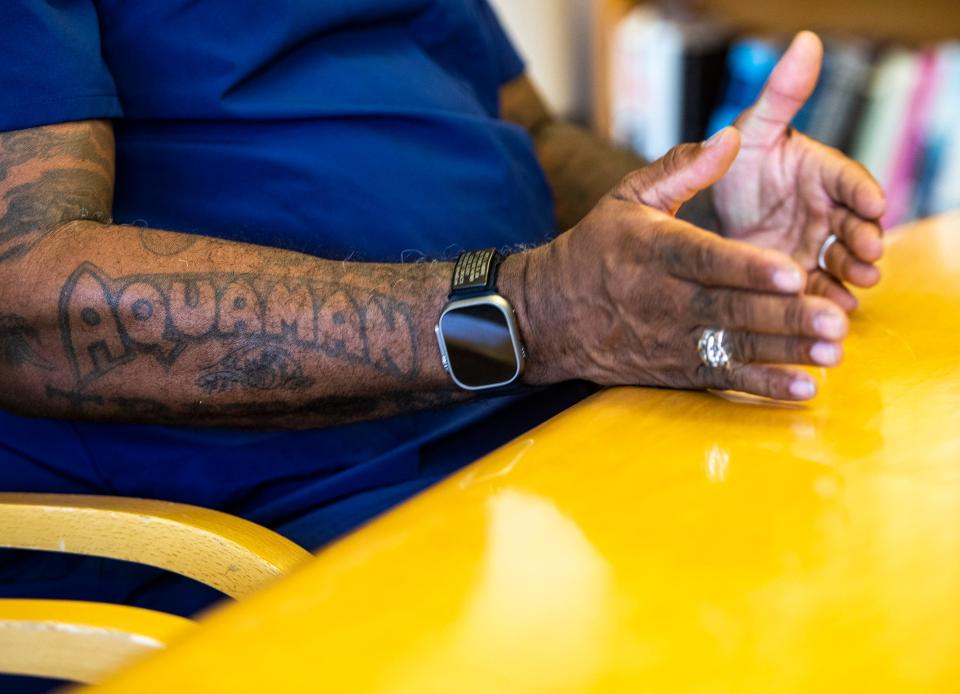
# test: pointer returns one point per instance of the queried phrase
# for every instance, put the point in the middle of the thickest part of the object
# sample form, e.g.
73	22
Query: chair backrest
233	555
85	641
80	641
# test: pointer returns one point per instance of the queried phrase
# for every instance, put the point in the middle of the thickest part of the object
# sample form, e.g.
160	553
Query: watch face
479	345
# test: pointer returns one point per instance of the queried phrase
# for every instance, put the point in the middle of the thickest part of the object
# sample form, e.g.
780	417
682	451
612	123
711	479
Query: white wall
554	38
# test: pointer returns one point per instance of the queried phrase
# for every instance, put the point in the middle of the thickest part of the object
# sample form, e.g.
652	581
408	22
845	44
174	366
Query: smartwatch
480	344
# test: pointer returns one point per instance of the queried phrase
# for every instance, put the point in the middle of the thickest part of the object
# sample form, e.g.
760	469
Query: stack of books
895	109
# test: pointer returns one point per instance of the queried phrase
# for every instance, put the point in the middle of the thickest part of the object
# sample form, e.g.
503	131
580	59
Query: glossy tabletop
660	541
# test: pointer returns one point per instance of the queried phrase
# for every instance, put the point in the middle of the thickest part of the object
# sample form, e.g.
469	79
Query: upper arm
56	160
521	104
50	176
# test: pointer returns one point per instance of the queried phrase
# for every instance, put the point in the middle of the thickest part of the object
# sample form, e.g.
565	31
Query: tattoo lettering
109	321
254	368
16	334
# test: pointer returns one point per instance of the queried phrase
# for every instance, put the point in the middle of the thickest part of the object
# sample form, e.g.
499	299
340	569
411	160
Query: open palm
788	192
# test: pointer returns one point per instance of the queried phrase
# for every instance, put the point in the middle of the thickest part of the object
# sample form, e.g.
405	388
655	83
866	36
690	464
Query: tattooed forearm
165	244
149	325
580	166
581	169
249	349
254	367
267	414
82	402
17	336
106	322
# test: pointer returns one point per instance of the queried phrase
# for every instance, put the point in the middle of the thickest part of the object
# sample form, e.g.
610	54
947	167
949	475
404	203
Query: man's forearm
138	324
580	166
101	321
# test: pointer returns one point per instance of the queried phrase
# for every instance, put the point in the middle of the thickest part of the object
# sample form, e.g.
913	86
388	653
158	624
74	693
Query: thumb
681	173
790	85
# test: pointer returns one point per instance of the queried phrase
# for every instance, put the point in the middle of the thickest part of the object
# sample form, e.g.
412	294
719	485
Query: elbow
28	359
22	366
14	406
15	396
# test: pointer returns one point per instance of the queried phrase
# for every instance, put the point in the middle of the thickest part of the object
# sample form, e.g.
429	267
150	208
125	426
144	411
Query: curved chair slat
80	641
233	555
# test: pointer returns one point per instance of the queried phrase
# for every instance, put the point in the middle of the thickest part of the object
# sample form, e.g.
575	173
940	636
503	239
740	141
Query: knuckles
620	272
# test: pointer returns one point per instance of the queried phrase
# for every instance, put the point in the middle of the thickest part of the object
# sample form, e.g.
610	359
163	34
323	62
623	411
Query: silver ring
822	256
712	348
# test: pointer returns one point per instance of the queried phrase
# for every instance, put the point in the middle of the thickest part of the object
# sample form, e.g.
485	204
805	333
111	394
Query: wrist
520	283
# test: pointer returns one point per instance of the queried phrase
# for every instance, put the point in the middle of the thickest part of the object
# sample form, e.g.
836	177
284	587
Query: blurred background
653	74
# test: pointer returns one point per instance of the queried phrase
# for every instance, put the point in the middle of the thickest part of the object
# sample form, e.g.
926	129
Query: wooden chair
86	641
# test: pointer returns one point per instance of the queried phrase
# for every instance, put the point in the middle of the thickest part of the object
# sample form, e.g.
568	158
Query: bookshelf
909	22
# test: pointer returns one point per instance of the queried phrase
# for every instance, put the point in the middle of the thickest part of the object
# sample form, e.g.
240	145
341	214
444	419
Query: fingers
682	173
803	315
707	259
778	382
862	236
776	349
790	85
820	283
843	265
850	185
765	332
851	259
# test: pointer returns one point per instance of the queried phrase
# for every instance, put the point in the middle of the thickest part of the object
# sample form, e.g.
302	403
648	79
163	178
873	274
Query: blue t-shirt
360	129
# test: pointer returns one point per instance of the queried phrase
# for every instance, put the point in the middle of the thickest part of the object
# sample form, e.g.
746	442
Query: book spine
907	158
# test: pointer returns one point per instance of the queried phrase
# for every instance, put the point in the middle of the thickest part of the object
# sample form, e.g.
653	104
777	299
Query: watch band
475	273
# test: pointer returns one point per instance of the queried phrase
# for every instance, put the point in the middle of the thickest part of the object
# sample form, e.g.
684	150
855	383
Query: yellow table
657	541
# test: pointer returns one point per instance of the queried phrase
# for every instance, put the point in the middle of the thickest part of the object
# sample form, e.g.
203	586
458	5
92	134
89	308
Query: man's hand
623	296
789	193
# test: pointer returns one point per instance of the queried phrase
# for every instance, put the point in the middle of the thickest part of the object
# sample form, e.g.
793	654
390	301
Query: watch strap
475	273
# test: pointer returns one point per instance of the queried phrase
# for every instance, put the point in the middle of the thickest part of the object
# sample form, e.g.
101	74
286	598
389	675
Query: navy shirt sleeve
52	69
509	63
